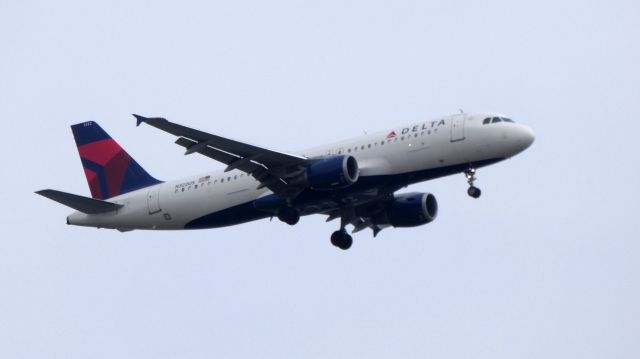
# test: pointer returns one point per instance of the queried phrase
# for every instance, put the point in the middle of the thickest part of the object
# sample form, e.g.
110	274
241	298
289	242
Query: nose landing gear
473	191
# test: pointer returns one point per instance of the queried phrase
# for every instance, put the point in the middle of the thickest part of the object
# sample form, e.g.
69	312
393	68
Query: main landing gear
473	191
341	239
288	215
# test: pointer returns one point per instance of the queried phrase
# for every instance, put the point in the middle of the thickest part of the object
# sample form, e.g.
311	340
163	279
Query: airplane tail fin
109	169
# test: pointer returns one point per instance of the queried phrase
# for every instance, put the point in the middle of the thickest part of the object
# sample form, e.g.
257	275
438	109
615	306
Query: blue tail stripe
136	177
88	132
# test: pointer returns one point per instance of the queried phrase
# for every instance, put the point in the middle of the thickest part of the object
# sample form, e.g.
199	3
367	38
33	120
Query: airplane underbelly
185	208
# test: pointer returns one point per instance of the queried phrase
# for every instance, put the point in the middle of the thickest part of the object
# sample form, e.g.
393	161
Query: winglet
141	119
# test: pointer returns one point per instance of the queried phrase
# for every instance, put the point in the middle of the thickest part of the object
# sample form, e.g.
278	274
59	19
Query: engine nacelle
409	210
330	173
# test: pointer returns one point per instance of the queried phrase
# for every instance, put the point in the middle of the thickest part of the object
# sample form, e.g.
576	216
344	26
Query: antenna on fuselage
461	111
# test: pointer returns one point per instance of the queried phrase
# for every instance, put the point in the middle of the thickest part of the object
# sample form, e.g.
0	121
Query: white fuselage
442	143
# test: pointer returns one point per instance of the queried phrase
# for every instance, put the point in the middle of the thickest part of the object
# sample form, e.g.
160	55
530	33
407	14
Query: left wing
271	168
80	203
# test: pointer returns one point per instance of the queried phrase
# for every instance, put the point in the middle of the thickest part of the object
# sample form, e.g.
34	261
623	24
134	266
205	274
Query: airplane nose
517	138
521	137
524	137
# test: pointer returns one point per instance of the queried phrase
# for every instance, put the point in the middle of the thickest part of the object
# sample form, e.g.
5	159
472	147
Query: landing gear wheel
347	241
341	239
474	192
288	215
292	220
335	238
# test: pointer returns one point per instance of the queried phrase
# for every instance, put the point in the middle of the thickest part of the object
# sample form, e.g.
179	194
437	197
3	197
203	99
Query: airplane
354	180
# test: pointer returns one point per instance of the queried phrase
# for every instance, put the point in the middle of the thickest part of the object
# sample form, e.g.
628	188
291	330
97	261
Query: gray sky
544	265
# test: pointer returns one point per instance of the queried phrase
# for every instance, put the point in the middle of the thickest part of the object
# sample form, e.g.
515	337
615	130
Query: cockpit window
496	119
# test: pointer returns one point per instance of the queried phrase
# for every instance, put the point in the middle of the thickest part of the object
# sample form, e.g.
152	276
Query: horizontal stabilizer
80	203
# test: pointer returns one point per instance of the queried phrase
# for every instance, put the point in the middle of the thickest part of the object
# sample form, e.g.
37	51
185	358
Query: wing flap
211	152
80	203
271	168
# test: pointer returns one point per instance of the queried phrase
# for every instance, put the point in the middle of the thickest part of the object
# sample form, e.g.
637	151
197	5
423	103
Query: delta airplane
353	180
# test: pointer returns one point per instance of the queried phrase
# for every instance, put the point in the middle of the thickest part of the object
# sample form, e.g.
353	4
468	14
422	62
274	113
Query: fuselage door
153	199
457	127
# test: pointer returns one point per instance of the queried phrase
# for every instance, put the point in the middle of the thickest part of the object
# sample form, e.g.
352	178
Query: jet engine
409	210
330	173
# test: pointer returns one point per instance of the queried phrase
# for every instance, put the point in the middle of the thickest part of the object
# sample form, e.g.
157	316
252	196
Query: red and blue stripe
109	169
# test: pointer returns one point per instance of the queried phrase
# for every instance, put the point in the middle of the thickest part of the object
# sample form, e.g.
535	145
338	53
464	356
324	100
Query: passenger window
496	119
486	120
369	146
382	143
349	150
235	177
362	147
228	178
222	180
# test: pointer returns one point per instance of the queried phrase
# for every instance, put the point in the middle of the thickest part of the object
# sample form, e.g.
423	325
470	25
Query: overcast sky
544	265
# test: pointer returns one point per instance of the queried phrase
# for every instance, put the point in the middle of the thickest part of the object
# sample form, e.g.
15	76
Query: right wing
271	168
